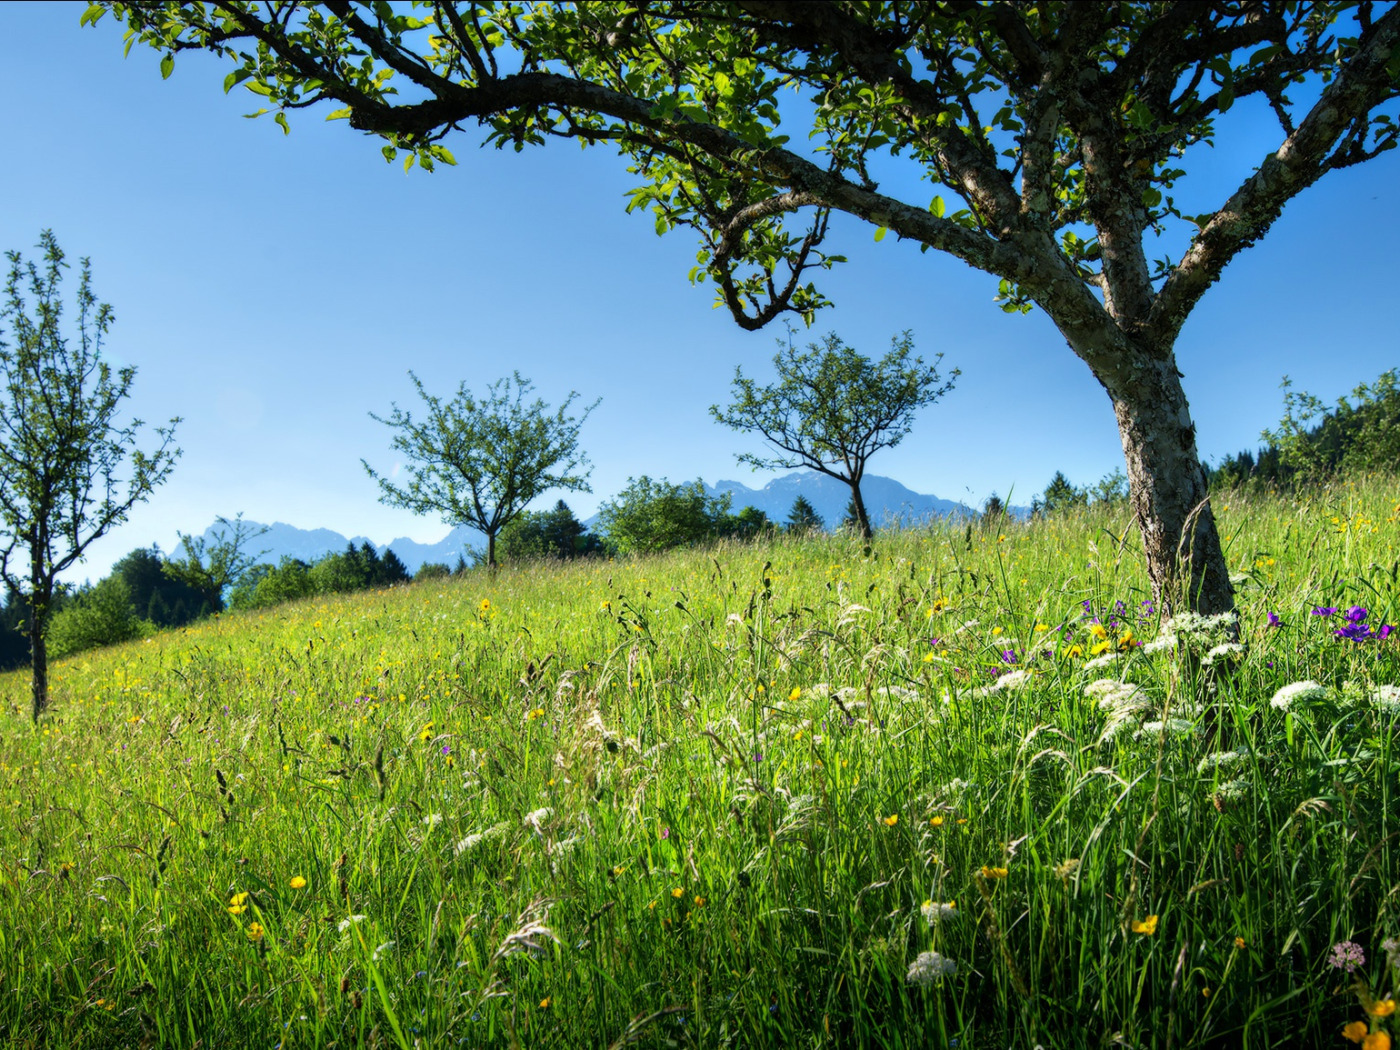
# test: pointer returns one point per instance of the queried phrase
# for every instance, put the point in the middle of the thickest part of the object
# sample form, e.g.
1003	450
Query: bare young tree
70	469
480	461
1056	137
833	408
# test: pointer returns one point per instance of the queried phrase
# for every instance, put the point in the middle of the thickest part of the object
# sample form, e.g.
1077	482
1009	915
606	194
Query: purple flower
665	833
1382	634
1354	632
1274	621
1326	610
447	749
1008	656
934	643
1347	955
1357	614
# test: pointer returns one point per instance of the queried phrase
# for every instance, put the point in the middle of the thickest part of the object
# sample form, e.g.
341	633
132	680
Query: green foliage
1060	495
431	570
803	517
97	616
154	595
265	585
832	408
553	533
480	461
749	524
70	469
1315	442
994	511
353	569
210	567
649	516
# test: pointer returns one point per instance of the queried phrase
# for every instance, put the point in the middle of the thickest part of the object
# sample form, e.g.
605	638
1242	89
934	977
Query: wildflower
936	822
1226	650
993	873
345	924
254	931
1099	631
1008	656
1066	868
1355	1031
236	905
796	693
1074	652
699	901
1147	927
935	912
1304	691
297	882
929	967
665	833
1382	1008
1386	697
1239	944
1324	611
383	949
1376	1041
546	1001
537	712
1347	955
891	820
1041	628
678	893
1126	640
1274	620
1221	760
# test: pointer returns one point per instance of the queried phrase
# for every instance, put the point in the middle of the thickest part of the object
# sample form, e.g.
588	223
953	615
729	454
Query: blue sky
273	290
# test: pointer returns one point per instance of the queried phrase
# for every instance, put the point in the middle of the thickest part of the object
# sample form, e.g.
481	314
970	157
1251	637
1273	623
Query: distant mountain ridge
888	502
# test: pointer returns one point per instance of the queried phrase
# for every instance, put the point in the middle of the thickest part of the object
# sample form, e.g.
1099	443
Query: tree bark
1170	499
39	653
862	518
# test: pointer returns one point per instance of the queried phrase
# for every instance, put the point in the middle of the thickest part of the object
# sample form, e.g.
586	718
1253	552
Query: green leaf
92	15
1151	197
167	66
281	119
339	114
937	207
880	233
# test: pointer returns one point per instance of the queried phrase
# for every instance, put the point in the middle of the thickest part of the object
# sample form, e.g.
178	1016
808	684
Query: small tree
803	517
210	566
70	472
479	462
833	408
1059	495
993	511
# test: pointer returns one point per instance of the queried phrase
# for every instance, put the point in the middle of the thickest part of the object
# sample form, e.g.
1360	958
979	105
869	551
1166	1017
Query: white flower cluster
1233	790
1191	629
535	818
1114	695
1008	681
1224	651
1169	727
470	843
1222	760
935	912
1298	693
929	967
1387	698
1106	660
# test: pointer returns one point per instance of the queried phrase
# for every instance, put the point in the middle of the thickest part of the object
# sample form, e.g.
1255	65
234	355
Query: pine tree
803	517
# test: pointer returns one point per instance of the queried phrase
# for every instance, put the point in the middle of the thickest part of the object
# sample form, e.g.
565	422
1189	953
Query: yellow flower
1041	628
891	820
1376	1041
1098	630
1384	1008
254	931
544	1003
1101	647
996	631
1355	1031
796	693
536	713
699	902
678	893
1125	640
928	658
1239	943
993	873
1074	652
1147	927
297	882
937	822
236	905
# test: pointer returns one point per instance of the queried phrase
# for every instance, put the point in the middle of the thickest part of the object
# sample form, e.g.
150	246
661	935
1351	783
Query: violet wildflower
1357	614
1347	955
1274	620
1008	656
1324	610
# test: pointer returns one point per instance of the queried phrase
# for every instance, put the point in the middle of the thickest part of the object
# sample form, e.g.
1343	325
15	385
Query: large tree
832	408
480	460
70	466
1054	135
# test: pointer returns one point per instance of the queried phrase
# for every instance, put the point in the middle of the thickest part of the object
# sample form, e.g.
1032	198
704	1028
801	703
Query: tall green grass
717	799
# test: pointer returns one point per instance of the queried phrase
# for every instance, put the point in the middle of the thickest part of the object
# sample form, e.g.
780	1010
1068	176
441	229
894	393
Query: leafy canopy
1053	135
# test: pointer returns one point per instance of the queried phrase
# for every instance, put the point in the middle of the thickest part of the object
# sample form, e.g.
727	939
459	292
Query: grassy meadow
964	790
